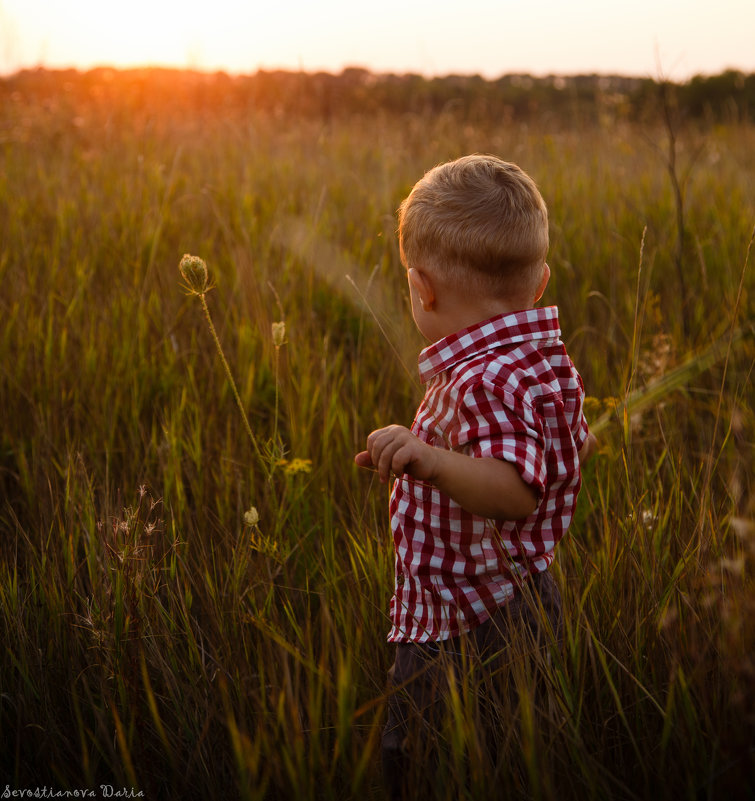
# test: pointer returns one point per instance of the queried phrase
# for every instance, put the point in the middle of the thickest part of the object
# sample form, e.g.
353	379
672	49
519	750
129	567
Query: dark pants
480	663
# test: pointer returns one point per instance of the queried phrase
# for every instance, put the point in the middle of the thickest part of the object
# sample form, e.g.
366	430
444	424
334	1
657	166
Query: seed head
251	516
194	273
279	334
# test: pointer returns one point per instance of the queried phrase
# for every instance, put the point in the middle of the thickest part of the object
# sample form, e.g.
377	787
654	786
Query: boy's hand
394	449
486	487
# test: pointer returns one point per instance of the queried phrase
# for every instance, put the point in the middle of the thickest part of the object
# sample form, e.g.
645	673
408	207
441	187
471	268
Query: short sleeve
494	422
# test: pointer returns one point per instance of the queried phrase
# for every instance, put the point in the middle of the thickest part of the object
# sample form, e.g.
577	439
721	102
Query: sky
656	38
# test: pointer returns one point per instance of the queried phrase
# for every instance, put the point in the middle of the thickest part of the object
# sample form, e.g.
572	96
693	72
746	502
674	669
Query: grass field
156	637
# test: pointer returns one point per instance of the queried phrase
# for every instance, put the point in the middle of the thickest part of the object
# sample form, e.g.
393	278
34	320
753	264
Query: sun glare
142	32
84	33
246	35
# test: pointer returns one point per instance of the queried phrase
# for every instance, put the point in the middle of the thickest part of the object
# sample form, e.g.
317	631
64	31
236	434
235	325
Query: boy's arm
485	486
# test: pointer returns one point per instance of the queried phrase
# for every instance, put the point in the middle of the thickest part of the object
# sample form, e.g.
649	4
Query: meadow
197	613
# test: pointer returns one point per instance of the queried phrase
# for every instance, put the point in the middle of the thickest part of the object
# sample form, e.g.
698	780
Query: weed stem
227	369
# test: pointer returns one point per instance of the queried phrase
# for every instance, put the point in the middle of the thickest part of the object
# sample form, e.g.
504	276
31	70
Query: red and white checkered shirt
504	388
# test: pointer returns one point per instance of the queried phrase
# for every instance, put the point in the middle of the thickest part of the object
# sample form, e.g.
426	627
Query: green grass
153	639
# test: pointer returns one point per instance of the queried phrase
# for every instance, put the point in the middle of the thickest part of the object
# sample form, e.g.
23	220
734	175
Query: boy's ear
422	284
543	282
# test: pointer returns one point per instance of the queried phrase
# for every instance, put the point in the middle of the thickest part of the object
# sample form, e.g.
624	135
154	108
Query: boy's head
478	224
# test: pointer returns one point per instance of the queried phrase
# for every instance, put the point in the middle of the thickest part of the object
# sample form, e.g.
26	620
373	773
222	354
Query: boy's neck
457	317
441	308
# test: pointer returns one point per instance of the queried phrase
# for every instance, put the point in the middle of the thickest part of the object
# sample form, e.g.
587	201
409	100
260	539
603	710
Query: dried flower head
194	273
279	333
251	516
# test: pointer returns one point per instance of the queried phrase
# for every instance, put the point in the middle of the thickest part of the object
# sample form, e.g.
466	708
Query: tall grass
155	637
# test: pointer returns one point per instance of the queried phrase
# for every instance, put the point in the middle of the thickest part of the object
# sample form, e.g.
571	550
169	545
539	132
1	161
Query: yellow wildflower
591	407
296	466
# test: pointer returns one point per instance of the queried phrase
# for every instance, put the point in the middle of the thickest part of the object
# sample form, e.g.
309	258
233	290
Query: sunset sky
677	38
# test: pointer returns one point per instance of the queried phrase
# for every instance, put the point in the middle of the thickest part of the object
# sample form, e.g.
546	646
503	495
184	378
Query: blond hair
477	219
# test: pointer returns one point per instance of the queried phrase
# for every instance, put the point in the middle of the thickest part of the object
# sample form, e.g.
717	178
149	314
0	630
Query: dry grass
153	638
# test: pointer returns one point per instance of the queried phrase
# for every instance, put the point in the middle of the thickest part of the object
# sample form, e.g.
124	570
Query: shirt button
400	579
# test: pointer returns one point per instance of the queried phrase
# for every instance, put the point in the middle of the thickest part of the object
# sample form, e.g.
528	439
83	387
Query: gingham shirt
504	388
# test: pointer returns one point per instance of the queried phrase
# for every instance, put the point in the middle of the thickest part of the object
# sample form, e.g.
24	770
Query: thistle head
194	273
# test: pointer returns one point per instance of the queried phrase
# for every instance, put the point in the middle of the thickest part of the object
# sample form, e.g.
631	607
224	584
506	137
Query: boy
488	475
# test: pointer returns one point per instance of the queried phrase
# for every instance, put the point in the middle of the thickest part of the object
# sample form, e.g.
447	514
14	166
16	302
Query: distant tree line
727	97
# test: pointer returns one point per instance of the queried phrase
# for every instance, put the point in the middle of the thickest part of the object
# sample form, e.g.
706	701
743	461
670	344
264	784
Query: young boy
487	477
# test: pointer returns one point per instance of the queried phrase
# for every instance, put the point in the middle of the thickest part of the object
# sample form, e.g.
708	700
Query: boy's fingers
402	458
388	449
363	459
378	439
379	447
384	463
387	461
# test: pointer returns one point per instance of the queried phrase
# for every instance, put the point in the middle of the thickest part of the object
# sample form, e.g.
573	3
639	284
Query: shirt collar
504	329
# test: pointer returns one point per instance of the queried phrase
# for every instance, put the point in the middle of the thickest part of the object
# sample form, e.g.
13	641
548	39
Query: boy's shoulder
520	377
530	364
520	354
